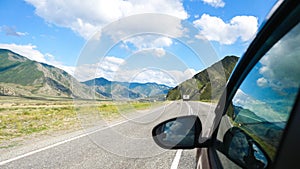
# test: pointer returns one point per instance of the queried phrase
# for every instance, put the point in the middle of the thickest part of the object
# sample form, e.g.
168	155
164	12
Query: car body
256	121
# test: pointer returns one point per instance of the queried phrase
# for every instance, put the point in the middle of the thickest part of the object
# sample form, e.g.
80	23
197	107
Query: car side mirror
239	147
178	133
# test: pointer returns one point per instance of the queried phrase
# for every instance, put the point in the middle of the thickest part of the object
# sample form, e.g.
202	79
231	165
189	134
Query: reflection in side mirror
243	150
178	133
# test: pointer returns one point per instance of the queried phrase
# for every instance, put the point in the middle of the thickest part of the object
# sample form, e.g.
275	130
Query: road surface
122	144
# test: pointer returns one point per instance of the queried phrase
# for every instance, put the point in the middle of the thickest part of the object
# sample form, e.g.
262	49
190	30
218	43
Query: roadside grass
33	118
209	101
141	105
16	122
114	110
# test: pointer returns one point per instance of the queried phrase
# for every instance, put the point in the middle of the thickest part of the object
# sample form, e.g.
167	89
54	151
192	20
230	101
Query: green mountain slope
199	87
20	76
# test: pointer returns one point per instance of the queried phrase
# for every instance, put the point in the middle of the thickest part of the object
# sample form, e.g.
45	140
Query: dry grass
21	117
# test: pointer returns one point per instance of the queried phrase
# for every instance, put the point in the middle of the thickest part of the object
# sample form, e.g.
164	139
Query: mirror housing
239	147
178	133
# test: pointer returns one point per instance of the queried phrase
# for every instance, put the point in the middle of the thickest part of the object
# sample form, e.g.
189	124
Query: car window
252	128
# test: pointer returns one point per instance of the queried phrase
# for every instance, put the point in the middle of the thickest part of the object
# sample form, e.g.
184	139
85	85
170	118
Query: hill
199	86
20	76
126	90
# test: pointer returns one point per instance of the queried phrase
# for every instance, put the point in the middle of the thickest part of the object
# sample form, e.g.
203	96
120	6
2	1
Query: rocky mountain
199	87
126	90
20	76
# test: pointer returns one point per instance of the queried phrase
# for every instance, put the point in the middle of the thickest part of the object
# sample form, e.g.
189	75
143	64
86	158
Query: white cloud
110	63
68	69
106	68
215	3
86	72
85	17
215	29
260	108
168	77
280	66
30	51
21	33
262	82
146	42
149	42
115	69
145	26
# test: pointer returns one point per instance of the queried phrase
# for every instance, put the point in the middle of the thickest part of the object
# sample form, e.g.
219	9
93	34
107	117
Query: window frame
279	24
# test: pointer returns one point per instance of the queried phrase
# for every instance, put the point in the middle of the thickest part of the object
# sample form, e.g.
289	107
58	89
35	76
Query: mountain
125	90
269	132
199	86
20	76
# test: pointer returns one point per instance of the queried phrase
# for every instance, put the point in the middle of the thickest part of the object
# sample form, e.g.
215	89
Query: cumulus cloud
143	32
85	17
215	29
280	66
279	70
168	77
262	82
149	42
260	108
215	3
116	69
145	24
146	42
106	68
11	31
30	51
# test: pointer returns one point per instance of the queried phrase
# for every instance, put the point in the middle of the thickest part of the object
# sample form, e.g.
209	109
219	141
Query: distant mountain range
199	86
20	76
269	132
126	90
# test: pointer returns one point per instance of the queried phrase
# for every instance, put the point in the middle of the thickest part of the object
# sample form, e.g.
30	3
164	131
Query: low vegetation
21	117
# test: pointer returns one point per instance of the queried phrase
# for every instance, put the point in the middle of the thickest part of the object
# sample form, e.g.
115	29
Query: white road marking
176	160
190	109
57	144
65	141
177	157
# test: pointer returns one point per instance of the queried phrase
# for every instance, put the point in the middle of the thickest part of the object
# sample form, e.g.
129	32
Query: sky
270	89
162	41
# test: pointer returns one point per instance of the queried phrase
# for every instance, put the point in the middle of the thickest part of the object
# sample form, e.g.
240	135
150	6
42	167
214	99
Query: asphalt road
121	144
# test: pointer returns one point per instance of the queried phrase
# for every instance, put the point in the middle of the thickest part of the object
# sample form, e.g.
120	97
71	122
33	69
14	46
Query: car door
262	98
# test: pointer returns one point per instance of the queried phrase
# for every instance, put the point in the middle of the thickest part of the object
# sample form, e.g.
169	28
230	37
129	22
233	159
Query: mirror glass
179	132
243	150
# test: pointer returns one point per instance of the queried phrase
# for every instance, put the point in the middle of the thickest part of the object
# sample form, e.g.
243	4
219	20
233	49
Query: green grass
141	106
114	110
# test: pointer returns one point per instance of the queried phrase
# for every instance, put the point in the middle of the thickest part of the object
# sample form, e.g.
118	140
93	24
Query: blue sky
58	32
270	88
